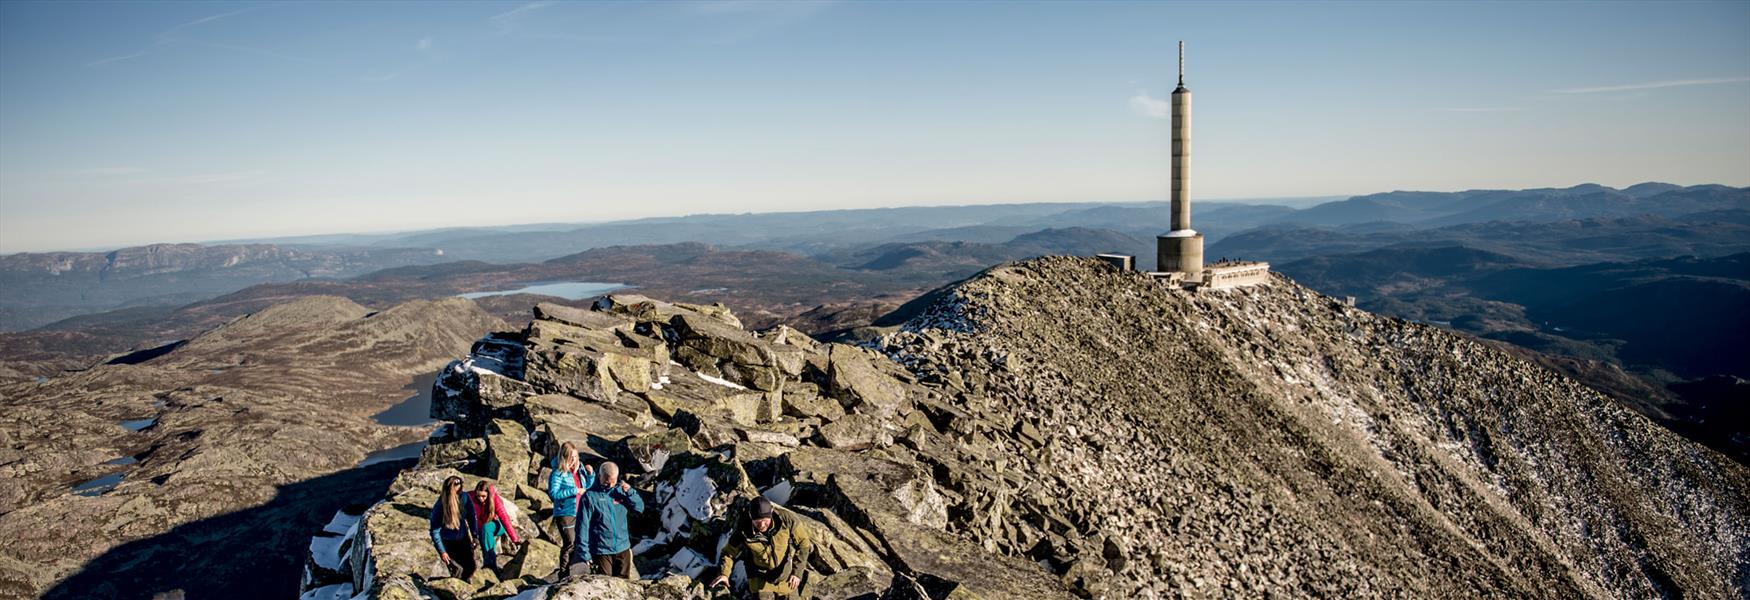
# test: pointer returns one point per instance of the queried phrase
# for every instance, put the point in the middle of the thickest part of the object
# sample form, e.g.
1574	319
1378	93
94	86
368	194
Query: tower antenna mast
1181	63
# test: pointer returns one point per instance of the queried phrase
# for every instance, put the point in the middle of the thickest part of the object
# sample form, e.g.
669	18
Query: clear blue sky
157	121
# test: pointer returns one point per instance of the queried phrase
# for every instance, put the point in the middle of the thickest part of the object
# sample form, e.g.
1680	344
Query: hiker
565	486
493	521
452	529
604	536
774	550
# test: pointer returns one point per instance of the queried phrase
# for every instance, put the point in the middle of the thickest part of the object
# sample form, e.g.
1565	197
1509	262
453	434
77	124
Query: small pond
99	486
140	424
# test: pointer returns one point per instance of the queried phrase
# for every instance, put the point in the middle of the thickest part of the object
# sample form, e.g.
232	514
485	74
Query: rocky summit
1057	428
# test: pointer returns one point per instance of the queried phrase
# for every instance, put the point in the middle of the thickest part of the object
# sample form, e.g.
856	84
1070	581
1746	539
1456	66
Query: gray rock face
1054	428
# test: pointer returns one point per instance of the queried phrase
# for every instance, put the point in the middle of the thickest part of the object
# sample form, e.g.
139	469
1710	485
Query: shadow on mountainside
257	552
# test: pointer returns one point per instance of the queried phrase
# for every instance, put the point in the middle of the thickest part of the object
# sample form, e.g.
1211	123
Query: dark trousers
567	541
489	559
461	553
616	565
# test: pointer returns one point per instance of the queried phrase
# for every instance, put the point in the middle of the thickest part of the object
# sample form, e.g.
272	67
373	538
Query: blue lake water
572	290
125	460
99	486
416	409
402	452
139	424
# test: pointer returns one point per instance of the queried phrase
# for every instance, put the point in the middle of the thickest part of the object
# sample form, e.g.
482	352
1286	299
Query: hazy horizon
130	123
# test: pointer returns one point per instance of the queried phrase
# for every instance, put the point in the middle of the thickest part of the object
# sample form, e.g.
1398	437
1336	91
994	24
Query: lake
416	409
572	290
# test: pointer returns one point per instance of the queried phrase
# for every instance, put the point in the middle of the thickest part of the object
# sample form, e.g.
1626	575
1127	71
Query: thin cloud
425	44
505	20
1150	106
174	35
1652	85
105	61
726	7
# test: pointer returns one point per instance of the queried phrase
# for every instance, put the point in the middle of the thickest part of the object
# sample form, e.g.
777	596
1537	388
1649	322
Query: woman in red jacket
491	519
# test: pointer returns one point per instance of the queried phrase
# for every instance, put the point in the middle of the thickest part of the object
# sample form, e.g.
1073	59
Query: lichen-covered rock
536	558
507	450
864	380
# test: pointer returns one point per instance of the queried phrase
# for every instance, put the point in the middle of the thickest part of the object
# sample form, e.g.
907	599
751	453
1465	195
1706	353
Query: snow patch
779	494
719	381
688	562
342	523
325	550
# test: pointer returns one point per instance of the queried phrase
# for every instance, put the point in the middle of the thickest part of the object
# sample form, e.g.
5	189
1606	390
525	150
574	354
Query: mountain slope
1232	438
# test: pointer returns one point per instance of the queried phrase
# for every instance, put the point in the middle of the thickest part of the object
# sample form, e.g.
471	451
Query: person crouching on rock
452	529
774	550
604	535
494	521
565	486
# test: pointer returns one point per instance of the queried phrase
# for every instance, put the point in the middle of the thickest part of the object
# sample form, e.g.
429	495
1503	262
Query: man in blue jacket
603	535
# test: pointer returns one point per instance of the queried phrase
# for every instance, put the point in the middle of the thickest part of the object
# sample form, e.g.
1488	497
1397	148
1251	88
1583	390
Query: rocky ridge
1054	428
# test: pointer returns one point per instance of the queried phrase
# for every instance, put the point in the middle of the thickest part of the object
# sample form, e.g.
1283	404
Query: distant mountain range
1588	277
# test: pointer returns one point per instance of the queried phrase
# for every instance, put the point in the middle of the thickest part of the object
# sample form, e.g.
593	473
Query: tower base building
1180	253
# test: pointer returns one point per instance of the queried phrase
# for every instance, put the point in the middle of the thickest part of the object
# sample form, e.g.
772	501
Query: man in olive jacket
774	550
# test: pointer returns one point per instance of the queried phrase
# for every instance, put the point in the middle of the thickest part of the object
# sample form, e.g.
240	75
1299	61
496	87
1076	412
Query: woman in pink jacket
489	510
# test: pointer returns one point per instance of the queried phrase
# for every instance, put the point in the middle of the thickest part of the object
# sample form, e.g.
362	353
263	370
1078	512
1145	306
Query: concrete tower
1181	249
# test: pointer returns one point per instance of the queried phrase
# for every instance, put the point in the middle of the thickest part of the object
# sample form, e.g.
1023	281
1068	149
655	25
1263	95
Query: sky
131	123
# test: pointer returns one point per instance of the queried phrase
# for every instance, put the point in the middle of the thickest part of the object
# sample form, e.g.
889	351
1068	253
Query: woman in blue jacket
452	529
570	477
605	536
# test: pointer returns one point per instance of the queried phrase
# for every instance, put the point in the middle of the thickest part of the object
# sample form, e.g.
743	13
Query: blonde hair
568	457
449	503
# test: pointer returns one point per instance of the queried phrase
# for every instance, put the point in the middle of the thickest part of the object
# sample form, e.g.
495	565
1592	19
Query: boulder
536	558
584	373
648	310
577	317
862	491
762	436
612	588
838	547
450	588
862	378
803	400
854	432
452	453
594	427
856	582
508	455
